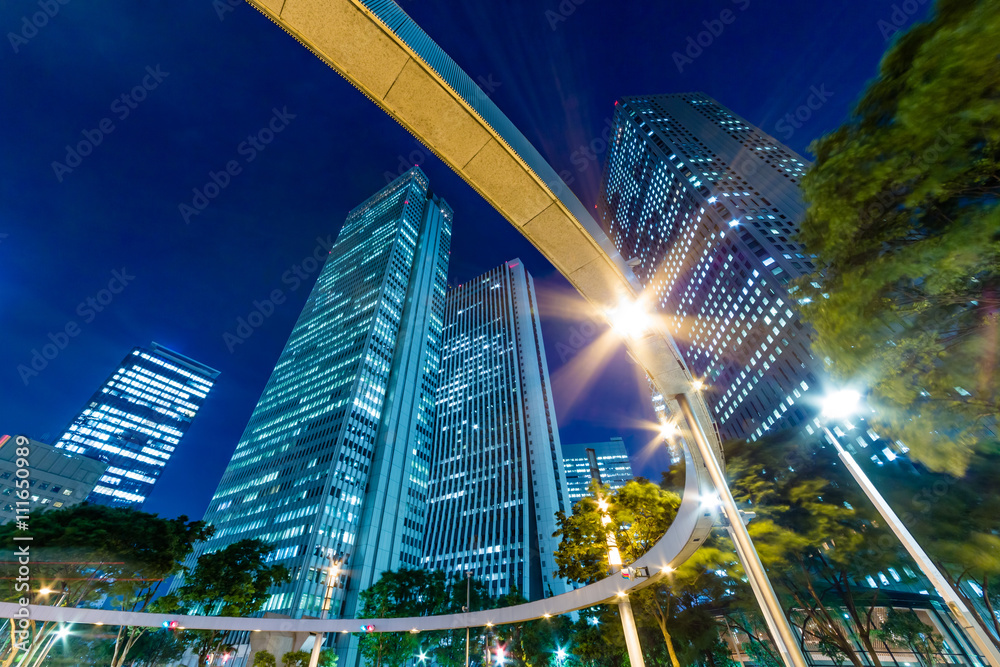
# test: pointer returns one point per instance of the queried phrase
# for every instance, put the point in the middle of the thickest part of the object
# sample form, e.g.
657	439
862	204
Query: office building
333	462
55	479
607	462
707	206
496	479
136	420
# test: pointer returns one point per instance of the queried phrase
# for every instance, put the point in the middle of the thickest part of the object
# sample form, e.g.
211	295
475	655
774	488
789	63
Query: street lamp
842	404
630	319
333	571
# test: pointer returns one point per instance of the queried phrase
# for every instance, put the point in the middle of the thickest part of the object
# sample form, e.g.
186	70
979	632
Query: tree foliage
230	582
84	552
904	223
405	592
264	659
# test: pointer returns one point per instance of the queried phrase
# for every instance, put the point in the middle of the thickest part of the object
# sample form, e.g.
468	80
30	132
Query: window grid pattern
136	420
709	206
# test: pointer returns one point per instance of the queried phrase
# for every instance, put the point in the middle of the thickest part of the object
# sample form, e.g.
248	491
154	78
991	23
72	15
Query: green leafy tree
817	540
957	521
904	223
406	592
295	659
904	629
87	551
233	581
640	513
447	647
264	659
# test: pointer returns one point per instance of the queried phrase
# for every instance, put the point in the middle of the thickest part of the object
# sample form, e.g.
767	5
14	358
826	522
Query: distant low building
55	478
606	462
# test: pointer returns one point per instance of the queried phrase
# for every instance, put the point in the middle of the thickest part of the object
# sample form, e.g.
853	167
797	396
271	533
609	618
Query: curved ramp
381	51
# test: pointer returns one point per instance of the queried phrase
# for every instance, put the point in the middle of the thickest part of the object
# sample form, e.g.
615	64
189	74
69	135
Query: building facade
497	477
707	206
333	462
607	462
136	420
55	479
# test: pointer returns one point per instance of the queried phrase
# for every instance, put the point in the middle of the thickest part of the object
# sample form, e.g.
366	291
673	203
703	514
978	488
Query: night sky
211	74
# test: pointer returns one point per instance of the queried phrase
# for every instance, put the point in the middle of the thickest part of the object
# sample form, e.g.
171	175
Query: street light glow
630	319
45	591
841	403
697	385
560	654
669	429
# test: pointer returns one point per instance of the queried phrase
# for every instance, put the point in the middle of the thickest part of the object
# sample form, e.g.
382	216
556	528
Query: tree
295	659
814	530
406	592
905	629
233	581
957	521
447	647
264	659
905	228
88	551
640	513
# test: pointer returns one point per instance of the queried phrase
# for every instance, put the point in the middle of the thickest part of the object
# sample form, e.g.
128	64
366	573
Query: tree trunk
989	607
955	585
661	620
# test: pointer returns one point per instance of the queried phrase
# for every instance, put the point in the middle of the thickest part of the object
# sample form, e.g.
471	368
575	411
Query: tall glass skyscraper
606	462
136	420
497	478
708	205
334	460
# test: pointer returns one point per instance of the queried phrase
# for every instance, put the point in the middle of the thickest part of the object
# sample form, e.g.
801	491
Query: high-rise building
55	478
497	478
707	206
607	462
333	462
135	421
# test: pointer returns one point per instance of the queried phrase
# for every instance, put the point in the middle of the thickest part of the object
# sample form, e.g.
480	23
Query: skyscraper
496	479
606	462
135	421
57	479
334	460
707	205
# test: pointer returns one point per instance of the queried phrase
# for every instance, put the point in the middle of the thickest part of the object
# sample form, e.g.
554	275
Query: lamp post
332	571
632	320
624	604
466	608
774	615
843	403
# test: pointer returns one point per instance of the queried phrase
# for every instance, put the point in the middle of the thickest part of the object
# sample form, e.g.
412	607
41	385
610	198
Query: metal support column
959	611
631	633
777	623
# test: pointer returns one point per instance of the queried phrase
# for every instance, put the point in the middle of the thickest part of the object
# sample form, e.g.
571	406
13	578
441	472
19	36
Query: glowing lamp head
841	404
668	430
560	654
697	385
630	319
63	633
422	656
45	591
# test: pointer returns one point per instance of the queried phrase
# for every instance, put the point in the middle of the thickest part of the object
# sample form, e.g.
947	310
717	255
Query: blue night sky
212	74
